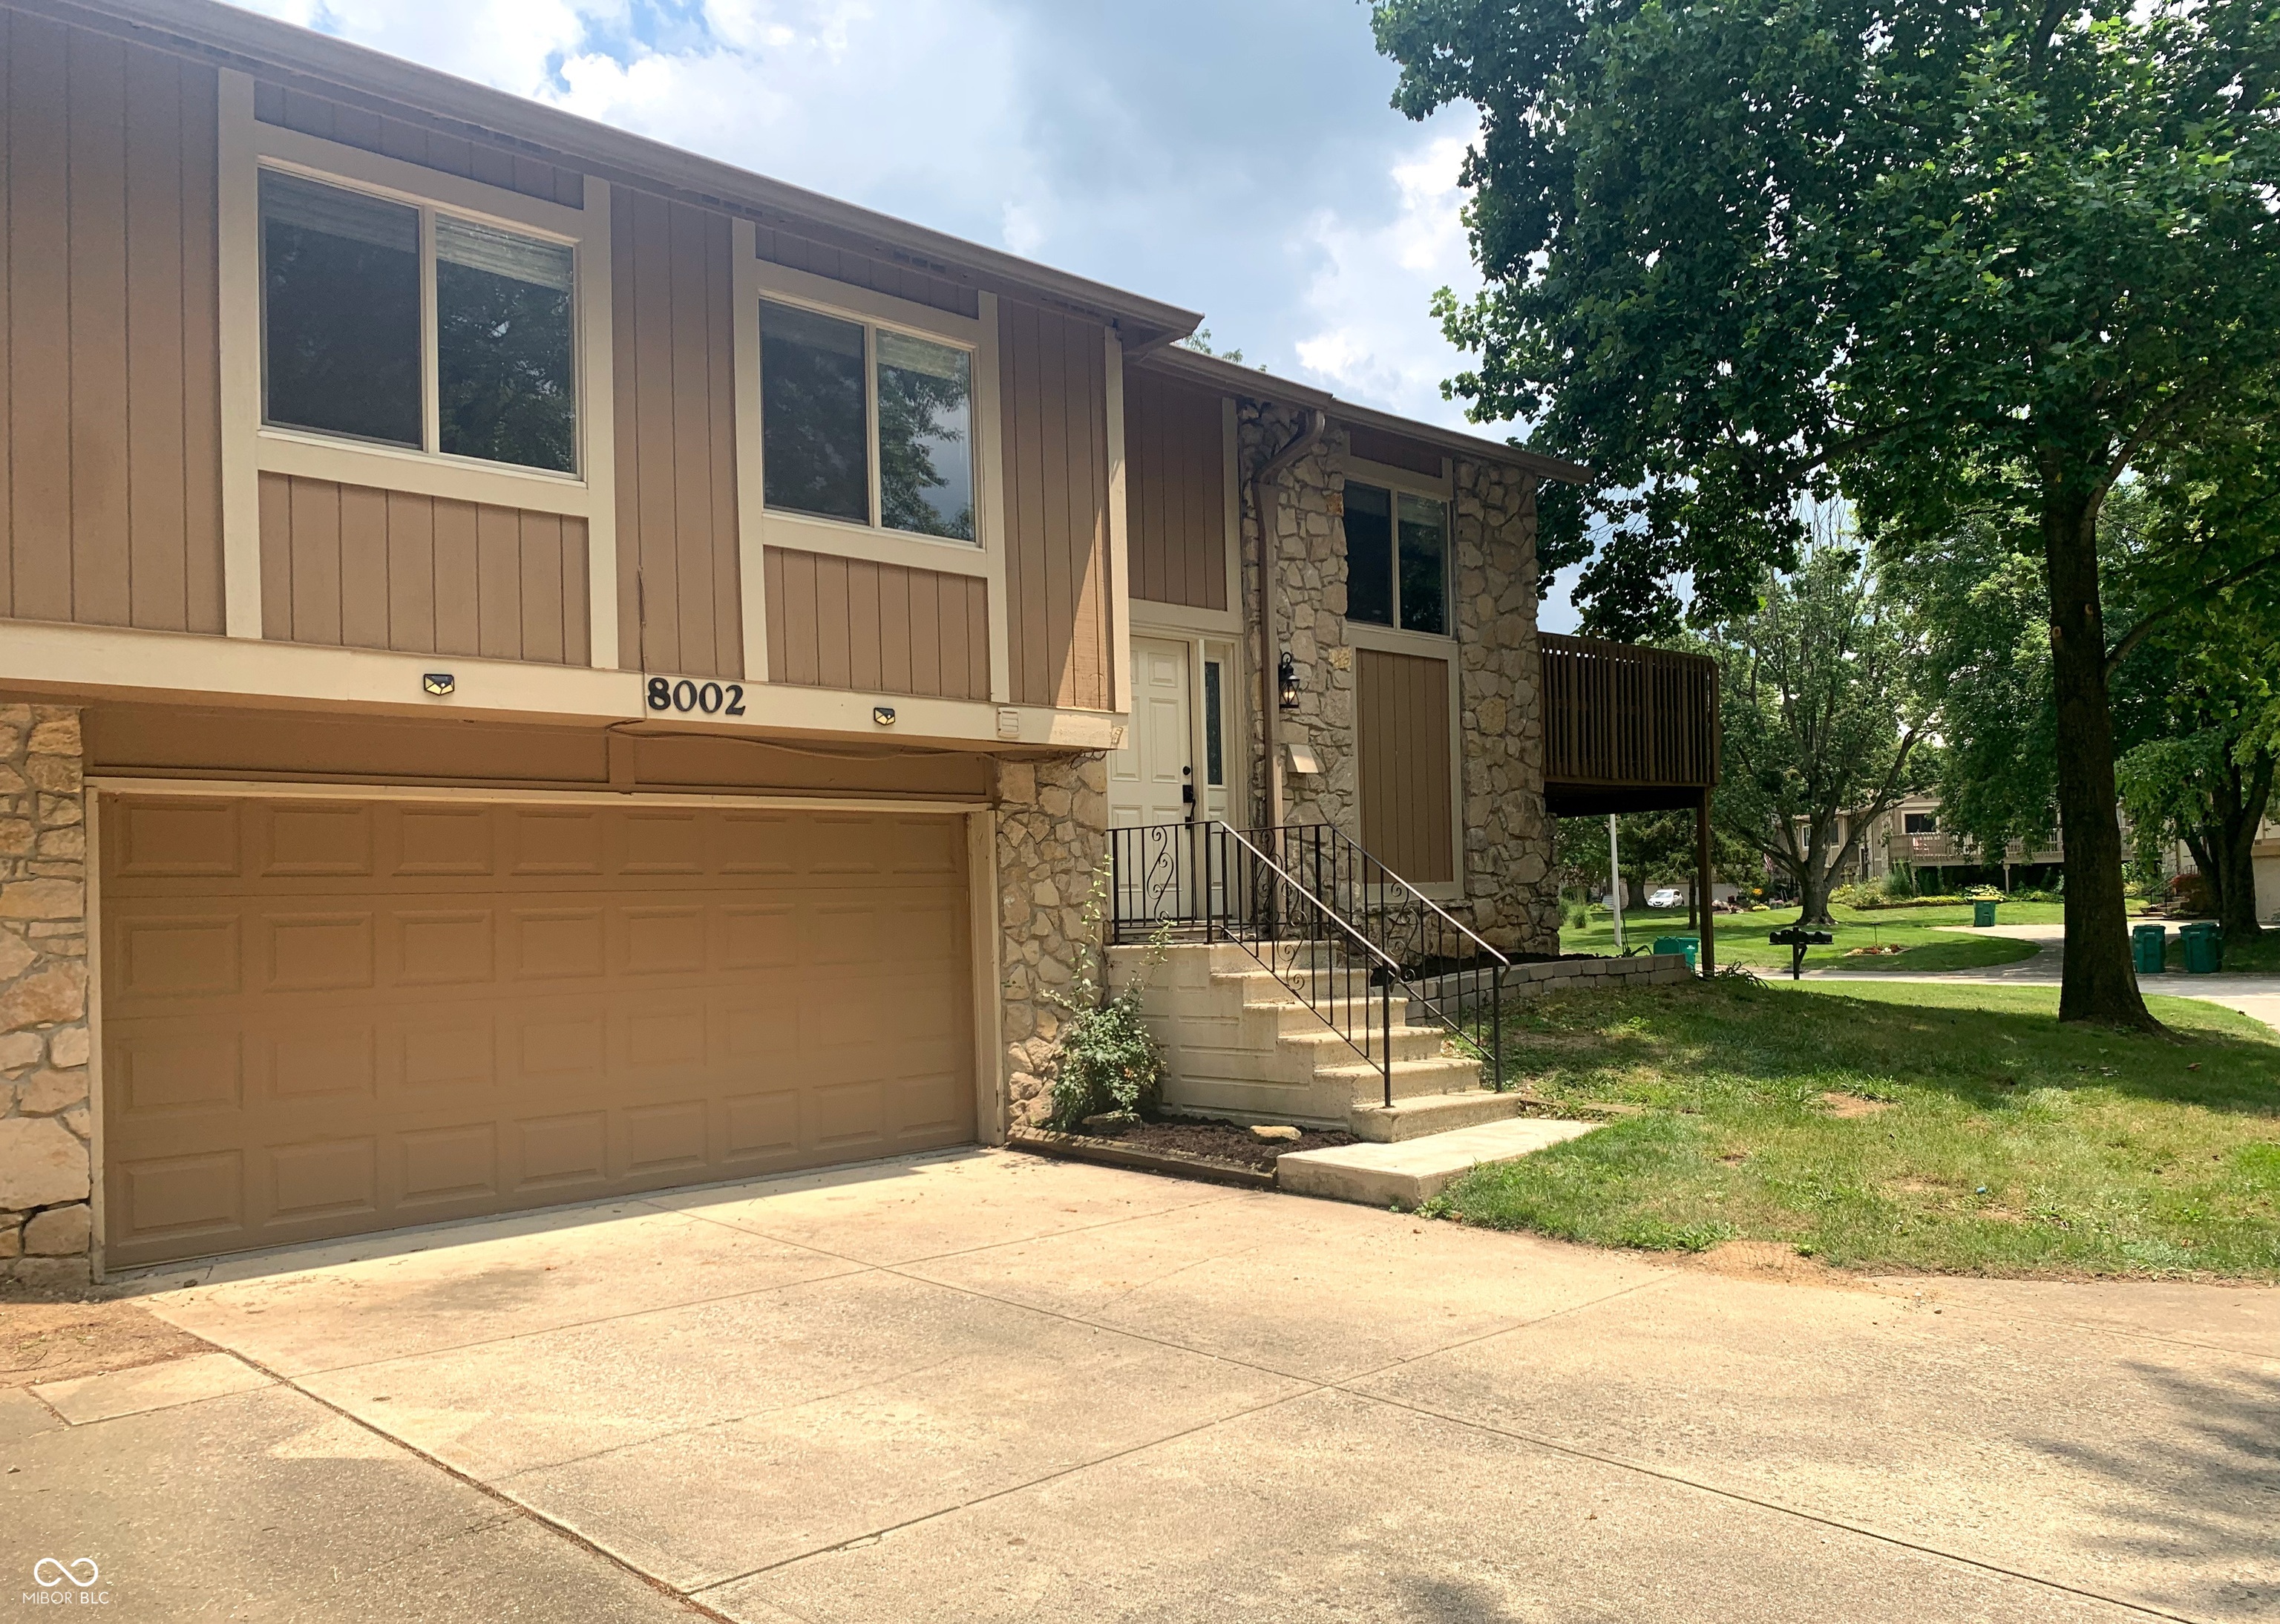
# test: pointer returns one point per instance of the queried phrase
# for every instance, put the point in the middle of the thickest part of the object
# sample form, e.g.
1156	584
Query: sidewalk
2257	996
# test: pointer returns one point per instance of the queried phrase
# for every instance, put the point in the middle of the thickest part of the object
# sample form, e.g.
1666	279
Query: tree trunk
2231	841
2098	983
1813	895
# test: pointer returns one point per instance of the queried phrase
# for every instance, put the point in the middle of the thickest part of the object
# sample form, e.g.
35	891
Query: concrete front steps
1240	1043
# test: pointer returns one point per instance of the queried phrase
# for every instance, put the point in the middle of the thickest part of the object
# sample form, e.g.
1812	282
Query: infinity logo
51	1574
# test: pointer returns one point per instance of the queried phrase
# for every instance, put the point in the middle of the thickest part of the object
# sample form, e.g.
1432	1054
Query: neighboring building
534	666
2267	855
1910	834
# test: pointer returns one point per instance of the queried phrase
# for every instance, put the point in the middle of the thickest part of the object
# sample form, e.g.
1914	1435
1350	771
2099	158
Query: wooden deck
1626	728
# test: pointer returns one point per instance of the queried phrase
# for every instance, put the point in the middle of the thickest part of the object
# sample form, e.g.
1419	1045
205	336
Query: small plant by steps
1106	1059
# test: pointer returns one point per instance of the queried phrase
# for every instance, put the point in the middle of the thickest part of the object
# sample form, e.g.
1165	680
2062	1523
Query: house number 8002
709	698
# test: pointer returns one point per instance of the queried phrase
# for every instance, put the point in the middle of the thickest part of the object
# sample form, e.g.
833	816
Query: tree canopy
1951	261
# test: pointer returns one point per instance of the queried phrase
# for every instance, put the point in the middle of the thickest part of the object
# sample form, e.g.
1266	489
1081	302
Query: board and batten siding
355	567
1402	722
1055	434
674	355
413	142
901	282
110	449
877	628
1175	481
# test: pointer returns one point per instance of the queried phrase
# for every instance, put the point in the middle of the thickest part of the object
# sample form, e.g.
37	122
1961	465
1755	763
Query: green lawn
1742	936
1967	1131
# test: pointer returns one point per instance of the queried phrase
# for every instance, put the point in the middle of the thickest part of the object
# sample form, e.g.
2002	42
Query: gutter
1265	484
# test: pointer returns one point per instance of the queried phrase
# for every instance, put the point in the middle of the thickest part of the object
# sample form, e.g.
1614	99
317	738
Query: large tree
1920	252
1817	701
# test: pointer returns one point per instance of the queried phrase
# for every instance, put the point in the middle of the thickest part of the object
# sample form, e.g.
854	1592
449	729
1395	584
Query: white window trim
761	527
250	448
1368	635
1401	482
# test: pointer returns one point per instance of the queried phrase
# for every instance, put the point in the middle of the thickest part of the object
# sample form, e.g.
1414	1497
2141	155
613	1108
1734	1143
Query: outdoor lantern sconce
1286	680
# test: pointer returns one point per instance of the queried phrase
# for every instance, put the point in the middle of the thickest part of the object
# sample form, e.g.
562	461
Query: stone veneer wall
44	1113
1508	839
1052	818
1511	896
1309	556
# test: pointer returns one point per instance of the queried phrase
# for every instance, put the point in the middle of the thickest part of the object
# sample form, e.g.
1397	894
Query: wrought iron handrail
1207	876
1447	968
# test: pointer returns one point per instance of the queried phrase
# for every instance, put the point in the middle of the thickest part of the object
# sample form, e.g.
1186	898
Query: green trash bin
2149	946
1688	945
2204	949
1982	913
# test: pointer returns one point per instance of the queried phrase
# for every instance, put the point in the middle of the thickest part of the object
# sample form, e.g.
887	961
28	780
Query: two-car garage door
322	1017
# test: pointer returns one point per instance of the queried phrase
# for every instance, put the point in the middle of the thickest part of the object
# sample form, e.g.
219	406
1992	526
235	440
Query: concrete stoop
1239	1044
1411	1171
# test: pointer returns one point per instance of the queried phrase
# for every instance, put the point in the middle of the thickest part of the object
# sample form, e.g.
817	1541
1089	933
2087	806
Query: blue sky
1237	159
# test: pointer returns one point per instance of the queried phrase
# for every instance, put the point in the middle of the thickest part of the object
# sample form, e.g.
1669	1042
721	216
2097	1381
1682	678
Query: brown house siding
1176	452
415	143
352	566
1055	455
110	459
1402	720
876	628
674	357
1394	451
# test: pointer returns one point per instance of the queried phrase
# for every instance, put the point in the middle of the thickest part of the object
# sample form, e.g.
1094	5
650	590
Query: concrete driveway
982	1386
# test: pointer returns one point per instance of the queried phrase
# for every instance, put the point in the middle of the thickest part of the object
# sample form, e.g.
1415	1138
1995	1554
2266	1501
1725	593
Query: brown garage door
321	1018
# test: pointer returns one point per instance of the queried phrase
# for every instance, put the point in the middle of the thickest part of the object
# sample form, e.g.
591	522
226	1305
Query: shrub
1105	1058
1900	880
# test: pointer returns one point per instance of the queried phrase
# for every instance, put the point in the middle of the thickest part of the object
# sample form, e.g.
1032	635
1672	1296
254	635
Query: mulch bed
1220	1142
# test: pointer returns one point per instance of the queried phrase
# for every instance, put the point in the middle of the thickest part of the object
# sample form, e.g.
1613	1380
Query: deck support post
1707	956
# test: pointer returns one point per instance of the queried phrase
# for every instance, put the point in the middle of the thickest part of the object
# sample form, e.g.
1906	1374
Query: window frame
251	446
1398	482
762	527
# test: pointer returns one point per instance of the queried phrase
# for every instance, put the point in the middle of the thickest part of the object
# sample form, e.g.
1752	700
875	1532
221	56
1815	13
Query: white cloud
1370	337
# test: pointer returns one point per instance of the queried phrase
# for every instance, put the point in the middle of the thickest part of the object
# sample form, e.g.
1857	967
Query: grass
1905	1127
1741	937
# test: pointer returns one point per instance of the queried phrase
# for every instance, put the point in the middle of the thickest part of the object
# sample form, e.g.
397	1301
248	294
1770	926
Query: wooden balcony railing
1626	728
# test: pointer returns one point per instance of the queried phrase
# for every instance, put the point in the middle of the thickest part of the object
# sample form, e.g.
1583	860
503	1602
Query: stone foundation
1053	822
44	1112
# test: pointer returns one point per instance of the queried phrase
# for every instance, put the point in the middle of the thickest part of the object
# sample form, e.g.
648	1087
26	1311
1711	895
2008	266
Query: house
534	666
1909	836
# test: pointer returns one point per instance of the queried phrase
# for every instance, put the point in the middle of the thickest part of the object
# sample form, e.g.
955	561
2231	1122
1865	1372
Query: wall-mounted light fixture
438	684
883	714
1286	682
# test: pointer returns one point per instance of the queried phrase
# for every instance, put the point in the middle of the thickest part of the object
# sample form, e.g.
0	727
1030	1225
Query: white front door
1149	776
1151	784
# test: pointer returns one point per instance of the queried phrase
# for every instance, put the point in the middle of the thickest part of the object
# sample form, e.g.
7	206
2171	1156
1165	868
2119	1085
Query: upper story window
1919	823
410	326
1397	559
862	423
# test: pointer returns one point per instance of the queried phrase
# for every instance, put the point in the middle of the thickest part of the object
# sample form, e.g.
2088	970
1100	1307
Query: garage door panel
168	954
329	952
318	1027
152	839
323	1179
442	947
456	1163
313	838
440	841
568	841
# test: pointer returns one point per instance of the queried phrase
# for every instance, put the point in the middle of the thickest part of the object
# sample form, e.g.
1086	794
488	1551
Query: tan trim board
989	1104
1416	484
989	496
800	532
89	797
238	262
51	659
597	392
1231	442
751	557
1178	620
1120	562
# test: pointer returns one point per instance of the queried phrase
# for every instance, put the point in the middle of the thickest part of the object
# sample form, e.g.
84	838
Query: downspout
1265	484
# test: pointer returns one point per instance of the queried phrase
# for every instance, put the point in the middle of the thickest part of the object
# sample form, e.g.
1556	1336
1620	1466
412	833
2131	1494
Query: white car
1668	896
